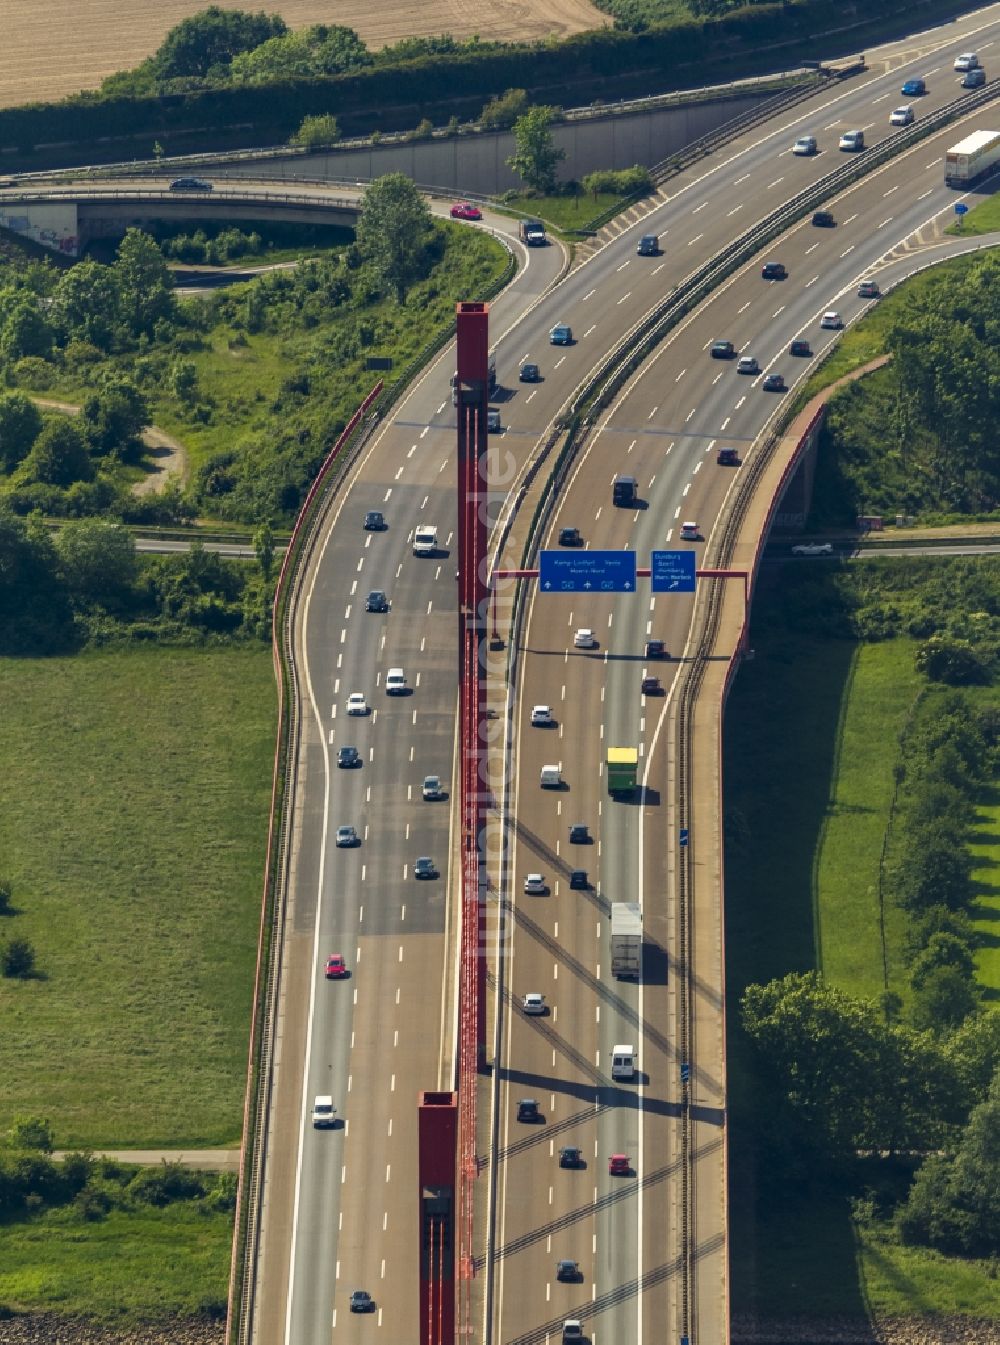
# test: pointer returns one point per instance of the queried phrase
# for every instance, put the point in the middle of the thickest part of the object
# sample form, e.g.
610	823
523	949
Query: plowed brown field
49	48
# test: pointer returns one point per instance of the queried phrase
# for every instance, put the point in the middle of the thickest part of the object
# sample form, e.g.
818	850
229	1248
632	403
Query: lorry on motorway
623	769
973	157
623	1062
532	232
624	491
491	380
425	540
626	939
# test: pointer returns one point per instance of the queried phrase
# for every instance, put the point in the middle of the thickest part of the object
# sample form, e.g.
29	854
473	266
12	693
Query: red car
335	967
465	210
619	1166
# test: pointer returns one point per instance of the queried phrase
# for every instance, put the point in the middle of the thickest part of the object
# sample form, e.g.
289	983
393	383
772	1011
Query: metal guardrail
203	197
674	163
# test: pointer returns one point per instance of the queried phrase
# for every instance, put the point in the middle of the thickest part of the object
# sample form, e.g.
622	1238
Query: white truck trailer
626	939
972	158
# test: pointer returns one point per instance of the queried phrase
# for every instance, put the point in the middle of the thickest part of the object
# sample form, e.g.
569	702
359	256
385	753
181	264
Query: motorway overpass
66	217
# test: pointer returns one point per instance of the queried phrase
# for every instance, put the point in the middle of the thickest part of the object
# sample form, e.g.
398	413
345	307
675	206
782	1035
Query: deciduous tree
392	232
20	426
536	157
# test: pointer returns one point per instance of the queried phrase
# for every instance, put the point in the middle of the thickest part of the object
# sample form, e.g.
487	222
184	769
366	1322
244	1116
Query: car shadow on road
591	1308
561	955
618	1195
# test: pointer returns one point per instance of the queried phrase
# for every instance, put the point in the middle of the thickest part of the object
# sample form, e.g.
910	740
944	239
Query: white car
812	549
534	884
356	704
831	319
690	532
431	788
541	716
806	144
747	364
324	1113
584	639
533	1004
395	682
967	61
901	116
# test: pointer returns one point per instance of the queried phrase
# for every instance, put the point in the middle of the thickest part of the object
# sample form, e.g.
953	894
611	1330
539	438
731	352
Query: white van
395	682
550	777
425	540
623	1062
324	1113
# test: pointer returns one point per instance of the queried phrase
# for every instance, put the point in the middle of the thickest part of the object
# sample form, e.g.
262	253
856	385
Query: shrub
948	660
164	1184
31	1132
18	960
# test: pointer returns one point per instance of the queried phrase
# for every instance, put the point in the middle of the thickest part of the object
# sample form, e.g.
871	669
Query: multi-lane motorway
341	1205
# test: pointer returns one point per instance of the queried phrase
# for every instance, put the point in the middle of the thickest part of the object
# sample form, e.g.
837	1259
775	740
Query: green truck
623	770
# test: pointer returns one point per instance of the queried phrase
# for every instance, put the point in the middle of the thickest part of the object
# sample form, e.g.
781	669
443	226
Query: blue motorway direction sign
961	208
672	571
587	572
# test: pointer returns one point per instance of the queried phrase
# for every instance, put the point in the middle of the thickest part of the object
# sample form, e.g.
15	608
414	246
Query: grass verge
883	686
134	788
568	215
145	1265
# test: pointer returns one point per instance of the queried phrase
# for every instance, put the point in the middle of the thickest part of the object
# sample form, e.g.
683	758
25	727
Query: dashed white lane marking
590	329
697	239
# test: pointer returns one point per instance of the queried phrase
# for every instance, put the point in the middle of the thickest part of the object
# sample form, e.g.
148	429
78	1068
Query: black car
348	757
529	373
374	521
773	383
527	1110
579	834
655	649
568	1272
578	880
727	457
823	219
774	271
425	868
362	1301
190	184
800	348
570	1156
569	537
376	601
722	350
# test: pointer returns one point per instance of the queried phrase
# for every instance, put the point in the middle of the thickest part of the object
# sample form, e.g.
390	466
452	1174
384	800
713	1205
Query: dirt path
210	1160
169	457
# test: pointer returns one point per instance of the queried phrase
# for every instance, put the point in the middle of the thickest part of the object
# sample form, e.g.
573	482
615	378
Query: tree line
844	1084
87	584
207	72
88	1187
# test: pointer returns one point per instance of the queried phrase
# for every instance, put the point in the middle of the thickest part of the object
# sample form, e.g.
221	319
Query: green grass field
143	1266
883	686
134	790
